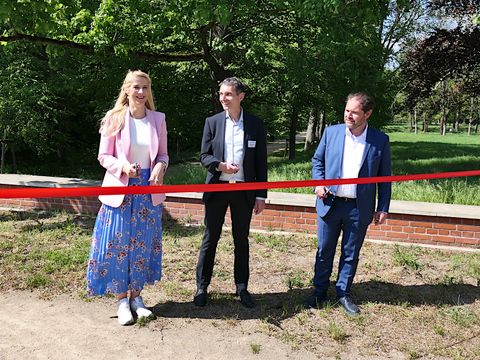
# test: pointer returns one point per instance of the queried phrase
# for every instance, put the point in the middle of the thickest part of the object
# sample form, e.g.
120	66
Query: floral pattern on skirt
126	247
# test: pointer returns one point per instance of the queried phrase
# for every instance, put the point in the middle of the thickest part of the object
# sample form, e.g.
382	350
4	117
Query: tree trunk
415	123
217	70
321	124
7	144
456	124
293	132
4	149
425	122
477	120
311	129
442	105
470	118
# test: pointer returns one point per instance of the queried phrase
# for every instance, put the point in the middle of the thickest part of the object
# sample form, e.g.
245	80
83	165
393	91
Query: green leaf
223	15
42	27
476	19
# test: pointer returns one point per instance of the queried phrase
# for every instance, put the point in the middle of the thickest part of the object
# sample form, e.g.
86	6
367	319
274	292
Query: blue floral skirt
126	247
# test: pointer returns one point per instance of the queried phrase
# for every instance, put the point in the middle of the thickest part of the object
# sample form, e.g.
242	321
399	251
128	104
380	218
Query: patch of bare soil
65	327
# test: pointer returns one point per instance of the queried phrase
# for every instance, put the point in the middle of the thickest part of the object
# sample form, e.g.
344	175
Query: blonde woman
126	247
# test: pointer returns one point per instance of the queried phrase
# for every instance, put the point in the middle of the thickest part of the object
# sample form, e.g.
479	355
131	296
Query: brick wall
88	205
401	226
428	230
434	230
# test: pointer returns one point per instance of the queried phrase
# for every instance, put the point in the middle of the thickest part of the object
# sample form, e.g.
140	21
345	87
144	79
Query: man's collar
240	119
362	136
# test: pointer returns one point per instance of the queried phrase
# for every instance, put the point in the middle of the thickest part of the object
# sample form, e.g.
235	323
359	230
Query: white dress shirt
233	147
352	161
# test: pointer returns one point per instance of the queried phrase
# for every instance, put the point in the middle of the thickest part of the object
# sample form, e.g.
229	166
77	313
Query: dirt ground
66	327
416	303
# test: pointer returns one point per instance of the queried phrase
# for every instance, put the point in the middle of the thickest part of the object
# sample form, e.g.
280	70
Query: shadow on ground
276	307
272	307
422	294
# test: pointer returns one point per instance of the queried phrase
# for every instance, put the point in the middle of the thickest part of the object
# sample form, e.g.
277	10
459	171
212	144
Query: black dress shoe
348	305
314	301
200	298
246	299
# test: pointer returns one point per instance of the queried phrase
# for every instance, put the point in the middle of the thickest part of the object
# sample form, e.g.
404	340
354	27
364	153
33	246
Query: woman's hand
132	170
156	177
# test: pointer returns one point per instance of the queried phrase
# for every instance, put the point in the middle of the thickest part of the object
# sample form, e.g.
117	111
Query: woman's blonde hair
114	119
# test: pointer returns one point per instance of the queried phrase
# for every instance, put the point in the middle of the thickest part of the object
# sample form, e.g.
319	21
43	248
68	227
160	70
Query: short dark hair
366	101
235	82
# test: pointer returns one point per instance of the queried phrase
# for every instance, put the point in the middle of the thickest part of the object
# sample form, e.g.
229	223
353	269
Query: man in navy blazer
233	150
348	150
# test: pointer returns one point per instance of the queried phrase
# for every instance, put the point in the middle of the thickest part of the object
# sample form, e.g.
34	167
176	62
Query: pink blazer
114	153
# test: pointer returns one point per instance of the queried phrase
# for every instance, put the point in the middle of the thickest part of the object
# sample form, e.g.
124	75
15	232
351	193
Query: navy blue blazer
327	164
254	159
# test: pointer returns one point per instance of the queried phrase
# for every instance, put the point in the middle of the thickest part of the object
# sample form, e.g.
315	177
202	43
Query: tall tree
295	56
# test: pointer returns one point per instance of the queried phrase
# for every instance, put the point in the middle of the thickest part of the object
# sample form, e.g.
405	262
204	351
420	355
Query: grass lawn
419	303
420	153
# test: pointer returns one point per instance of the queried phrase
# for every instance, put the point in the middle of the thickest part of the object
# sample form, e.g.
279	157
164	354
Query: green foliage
461	315
294	57
27	104
407	257
439	330
66	259
299	43
476	19
185	174
56	257
255	348
425	153
271	241
336	332
473	268
298	280
144	321
37	280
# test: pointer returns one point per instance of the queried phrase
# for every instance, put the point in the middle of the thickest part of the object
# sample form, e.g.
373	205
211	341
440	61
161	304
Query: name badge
252	143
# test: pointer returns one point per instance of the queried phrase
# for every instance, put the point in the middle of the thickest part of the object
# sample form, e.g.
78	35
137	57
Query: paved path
280	144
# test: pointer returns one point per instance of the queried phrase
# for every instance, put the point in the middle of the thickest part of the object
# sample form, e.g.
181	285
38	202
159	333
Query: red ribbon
165	189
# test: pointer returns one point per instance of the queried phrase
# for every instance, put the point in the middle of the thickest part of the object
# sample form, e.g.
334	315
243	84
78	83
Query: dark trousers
342	217
241	215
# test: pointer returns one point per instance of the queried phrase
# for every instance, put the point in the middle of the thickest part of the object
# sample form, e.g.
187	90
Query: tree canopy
63	62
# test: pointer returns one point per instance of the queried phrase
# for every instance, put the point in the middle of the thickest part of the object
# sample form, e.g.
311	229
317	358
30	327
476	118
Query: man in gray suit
348	150
233	150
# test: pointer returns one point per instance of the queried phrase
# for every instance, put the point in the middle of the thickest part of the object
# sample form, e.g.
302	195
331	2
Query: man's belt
229	181
344	198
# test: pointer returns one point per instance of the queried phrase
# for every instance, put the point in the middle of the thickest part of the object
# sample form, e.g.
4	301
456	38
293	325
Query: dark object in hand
326	198
137	169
